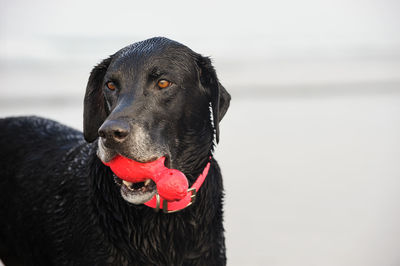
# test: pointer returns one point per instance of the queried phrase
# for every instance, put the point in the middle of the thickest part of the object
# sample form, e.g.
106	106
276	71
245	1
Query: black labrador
60	205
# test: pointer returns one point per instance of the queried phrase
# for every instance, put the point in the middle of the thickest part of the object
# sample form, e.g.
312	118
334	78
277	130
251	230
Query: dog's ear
219	97
94	106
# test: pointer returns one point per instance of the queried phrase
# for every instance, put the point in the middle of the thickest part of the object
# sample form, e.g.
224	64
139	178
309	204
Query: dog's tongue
171	184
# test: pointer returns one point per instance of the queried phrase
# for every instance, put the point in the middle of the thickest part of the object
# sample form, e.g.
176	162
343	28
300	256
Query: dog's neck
127	218
194	150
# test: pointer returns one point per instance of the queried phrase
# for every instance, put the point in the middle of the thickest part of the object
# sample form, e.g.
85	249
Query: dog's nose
113	130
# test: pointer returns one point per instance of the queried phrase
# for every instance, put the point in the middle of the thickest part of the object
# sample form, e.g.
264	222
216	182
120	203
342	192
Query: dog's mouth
141	191
139	181
137	192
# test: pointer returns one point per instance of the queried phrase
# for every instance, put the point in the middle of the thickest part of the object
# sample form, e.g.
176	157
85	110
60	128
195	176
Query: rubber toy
172	184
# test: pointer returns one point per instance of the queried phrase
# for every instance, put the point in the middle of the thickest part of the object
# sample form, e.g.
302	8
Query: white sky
253	43
309	23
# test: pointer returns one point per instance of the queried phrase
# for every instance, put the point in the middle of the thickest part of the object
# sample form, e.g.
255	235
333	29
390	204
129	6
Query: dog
60	203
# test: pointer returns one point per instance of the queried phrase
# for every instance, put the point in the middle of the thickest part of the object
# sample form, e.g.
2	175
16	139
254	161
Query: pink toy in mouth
172	184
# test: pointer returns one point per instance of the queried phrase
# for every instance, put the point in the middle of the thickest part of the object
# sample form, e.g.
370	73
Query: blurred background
310	147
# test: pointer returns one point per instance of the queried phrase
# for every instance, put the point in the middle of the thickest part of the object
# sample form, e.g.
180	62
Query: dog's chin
136	193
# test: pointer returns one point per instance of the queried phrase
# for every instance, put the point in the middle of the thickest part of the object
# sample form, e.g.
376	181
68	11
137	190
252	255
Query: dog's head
152	99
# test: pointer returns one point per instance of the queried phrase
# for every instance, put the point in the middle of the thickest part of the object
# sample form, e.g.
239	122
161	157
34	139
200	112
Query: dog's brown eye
162	84
111	86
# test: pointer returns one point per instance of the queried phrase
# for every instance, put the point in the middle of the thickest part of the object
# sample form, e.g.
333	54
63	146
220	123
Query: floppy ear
94	106
219	97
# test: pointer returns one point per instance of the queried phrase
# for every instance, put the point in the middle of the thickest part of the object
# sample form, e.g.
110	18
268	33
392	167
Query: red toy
172	184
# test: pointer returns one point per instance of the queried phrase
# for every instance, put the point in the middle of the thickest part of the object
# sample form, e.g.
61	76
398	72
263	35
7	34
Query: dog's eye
162	84
111	85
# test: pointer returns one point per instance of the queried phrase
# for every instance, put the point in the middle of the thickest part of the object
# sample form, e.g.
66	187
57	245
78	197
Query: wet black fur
59	204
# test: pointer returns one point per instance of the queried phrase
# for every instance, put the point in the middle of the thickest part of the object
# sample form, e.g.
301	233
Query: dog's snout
114	131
